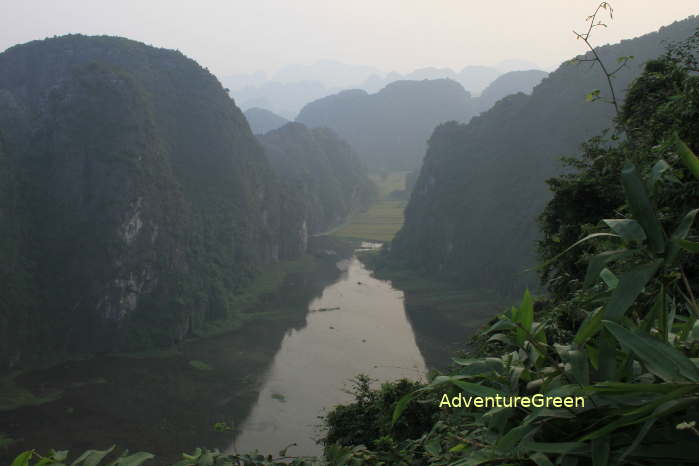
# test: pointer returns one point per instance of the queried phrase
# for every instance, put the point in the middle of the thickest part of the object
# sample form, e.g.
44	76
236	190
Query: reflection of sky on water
369	334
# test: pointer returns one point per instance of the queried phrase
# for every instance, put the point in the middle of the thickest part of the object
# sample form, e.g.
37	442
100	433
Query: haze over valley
378	233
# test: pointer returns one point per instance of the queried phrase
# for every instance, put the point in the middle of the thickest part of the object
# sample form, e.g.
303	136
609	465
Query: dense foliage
136	204
322	176
484	183
622	325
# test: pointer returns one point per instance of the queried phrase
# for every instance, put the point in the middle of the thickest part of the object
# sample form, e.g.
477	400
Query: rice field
382	220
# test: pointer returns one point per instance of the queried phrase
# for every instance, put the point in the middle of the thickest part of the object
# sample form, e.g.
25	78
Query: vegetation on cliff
324	180
484	184
136	204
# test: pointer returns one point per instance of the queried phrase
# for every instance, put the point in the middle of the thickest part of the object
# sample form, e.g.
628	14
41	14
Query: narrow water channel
358	325
269	381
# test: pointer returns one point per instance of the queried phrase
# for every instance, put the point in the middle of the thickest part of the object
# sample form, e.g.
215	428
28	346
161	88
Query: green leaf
688	245
622	387
657	171
474	388
680	234
641	207
580	367
600	450
628	229
513	437
630	286
589	327
609	278
23	458
659	357
687	156
540	459
600	261
555	447
577	243
433	446
139	458
92	457
400	406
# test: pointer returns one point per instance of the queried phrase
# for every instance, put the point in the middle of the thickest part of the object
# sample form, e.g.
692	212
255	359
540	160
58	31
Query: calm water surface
358	325
270	380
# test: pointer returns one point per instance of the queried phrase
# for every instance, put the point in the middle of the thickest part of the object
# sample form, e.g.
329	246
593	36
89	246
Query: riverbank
445	316
186	396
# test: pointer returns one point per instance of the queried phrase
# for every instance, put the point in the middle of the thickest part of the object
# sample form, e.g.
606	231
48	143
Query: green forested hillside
472	214
322	175
389	129
509	83
262	121
135	200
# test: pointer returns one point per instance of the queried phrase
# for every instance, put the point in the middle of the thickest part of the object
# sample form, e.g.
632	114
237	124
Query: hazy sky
240	36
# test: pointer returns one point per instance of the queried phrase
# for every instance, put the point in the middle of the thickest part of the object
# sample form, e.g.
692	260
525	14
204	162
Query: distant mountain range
262	121
293	86
472	214
389	129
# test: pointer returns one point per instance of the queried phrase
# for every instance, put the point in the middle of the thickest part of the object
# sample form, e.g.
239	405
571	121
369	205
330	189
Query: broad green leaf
23	458
555	447
609	278
630	286
680	234
607	355
577	243
687	156
628	229
400	406
540	459
656	312
688	245
141	457
600	450
641	207
514	436
657	171
474	388
483	366
580	367
92	457
622	387
502	338
589	327
433	446
600	261
97	456
659	357
644	412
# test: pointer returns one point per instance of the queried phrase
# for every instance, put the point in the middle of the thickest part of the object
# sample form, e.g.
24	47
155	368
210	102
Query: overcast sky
241	36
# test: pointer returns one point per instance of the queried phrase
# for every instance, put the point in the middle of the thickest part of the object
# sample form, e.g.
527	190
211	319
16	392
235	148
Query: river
267	382
358	325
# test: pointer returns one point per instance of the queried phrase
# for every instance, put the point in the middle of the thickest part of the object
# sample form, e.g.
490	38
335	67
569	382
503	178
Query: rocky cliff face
472	214
134	199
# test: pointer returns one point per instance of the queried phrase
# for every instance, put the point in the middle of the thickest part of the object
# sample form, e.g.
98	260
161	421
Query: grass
5	441
382	220
12	396
265	283
200	365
